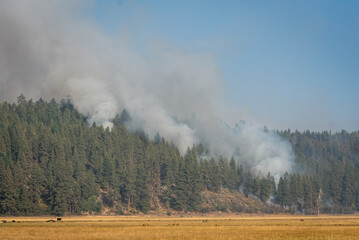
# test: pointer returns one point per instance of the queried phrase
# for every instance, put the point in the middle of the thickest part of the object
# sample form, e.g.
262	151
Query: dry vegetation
204	227
234	201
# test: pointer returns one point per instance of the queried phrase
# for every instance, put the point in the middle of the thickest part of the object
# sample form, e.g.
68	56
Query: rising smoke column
48	49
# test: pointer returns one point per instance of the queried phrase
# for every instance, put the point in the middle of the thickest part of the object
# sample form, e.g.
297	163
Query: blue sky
290	64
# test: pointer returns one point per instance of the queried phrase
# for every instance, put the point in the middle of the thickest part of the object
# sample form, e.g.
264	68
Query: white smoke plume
48	49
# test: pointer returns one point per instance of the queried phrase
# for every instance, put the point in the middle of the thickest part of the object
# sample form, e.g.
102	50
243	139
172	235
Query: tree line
329	164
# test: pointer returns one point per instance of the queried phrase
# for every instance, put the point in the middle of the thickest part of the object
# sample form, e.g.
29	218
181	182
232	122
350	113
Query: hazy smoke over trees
49	49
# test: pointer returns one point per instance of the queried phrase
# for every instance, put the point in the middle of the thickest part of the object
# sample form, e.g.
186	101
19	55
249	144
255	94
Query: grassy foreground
211	227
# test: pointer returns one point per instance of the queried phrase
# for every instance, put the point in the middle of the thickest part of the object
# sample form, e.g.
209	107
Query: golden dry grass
211	227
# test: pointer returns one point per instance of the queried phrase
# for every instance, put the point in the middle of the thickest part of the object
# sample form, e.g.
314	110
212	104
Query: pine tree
215	178
308	195
264	189
142	197
193	180
8	194
179	198
283	192
233	178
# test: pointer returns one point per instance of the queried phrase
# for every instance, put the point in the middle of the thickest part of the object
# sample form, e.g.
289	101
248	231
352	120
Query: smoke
49	49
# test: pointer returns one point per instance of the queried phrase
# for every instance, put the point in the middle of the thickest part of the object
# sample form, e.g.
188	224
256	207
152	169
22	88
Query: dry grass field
210	227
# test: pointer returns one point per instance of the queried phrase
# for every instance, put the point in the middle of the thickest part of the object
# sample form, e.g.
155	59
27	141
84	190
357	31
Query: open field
211	227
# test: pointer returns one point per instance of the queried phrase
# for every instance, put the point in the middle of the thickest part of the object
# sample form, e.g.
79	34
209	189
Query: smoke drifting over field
48	49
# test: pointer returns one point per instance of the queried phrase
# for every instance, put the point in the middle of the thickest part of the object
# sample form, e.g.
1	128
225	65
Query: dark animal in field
59	219
13	221
4	221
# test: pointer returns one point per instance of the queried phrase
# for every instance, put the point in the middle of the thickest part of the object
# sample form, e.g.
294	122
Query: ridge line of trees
53	162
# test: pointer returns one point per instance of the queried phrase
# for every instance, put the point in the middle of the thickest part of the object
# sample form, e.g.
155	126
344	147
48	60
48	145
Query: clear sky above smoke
287	64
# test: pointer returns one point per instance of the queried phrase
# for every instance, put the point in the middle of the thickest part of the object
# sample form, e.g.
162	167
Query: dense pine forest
53	162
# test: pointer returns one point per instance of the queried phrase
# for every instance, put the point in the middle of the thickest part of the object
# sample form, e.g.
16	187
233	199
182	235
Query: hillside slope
53	162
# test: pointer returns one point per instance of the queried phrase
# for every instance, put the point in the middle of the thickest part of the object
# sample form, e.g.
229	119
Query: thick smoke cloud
48	49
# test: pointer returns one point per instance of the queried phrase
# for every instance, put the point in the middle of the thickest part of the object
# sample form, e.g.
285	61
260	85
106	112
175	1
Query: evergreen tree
283	192
308	195
8	194
264	189
180	190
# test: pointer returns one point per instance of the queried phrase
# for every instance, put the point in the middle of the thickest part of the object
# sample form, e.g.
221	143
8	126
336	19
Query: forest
53	162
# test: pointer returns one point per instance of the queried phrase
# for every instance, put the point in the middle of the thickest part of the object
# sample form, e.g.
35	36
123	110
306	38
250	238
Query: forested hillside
332	162
53	162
